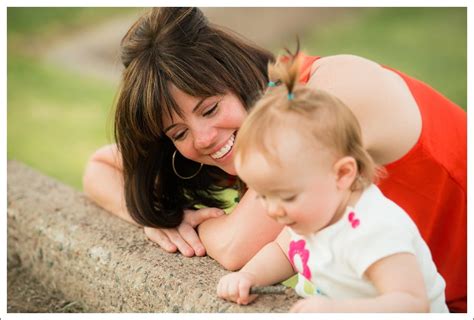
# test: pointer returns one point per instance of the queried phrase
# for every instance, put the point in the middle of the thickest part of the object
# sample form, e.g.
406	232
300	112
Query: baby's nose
274	209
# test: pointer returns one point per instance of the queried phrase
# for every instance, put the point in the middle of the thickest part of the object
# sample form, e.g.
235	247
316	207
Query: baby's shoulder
377	211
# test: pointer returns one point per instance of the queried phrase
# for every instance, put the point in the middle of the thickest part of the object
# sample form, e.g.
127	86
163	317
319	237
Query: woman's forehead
183	105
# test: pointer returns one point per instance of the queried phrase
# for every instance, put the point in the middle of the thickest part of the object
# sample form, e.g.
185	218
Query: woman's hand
184	238
236	287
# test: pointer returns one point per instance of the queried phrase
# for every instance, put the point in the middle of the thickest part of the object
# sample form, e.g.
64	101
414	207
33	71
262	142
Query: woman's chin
231	172
230	169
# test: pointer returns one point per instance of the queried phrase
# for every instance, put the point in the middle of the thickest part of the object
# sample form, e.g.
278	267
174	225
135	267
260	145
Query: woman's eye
179	136
211	111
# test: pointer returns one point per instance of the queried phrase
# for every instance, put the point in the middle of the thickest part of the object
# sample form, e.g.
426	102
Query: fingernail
200	251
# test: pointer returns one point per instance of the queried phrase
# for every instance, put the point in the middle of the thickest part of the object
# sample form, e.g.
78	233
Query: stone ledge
71	245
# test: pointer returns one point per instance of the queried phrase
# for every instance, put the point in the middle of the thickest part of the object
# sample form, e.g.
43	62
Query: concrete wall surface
71	245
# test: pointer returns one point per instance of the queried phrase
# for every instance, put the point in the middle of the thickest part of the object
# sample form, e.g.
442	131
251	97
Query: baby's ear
346	172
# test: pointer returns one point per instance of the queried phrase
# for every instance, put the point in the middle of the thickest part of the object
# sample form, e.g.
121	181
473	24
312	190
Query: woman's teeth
225	149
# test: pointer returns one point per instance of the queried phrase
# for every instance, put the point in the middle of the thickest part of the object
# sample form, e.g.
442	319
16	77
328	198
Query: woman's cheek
187	151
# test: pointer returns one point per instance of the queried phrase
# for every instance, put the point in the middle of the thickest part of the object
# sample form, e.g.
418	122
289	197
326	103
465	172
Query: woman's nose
205	138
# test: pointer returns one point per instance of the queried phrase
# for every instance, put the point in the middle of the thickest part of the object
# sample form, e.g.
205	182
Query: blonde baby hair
319	117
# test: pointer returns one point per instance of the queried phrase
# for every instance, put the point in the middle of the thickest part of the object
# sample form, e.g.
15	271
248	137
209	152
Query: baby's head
301	150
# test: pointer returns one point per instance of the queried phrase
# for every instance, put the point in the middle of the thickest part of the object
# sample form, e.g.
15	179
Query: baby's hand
236	287
313	304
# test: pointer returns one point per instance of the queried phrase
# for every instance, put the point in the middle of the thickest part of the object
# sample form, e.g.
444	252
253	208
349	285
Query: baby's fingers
236	287
224	290
243	294
221	292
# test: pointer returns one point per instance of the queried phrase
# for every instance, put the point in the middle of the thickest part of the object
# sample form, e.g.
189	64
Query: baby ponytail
286	70
320	117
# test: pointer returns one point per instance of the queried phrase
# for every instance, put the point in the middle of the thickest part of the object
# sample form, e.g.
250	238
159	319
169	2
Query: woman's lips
222	152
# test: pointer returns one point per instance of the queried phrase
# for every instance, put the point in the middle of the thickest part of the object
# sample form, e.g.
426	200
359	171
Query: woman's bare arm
234	239
103	181
231	240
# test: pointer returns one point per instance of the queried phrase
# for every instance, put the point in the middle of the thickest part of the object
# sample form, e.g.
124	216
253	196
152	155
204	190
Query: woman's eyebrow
196	107
200	102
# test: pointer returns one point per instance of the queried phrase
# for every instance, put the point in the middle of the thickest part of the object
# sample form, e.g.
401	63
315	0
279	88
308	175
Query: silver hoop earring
176	172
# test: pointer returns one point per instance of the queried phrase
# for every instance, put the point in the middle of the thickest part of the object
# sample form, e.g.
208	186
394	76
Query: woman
186	89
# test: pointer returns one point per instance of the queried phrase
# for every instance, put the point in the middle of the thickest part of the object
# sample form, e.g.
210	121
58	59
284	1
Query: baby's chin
300	232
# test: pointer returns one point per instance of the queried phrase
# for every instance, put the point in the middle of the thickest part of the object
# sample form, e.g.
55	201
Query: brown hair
316	114
179	46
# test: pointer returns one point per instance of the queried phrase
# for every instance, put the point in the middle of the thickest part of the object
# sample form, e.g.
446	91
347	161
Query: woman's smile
223	151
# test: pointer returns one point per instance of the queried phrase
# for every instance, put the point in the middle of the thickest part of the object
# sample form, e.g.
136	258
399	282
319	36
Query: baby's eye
211	111
260	196
262	199
290	199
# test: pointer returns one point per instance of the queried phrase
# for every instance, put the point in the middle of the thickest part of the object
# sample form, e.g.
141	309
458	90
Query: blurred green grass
429	44
29	22
57	118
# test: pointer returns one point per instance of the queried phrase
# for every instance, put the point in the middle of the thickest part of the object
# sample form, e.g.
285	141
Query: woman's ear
346	172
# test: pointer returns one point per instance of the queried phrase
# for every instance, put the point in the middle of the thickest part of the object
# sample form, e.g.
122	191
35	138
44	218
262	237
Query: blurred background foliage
58	117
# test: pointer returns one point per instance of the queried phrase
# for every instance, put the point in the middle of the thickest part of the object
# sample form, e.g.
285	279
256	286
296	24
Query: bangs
194	78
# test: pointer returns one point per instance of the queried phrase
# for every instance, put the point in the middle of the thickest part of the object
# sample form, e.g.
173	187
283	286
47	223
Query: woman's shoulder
343	62
376	96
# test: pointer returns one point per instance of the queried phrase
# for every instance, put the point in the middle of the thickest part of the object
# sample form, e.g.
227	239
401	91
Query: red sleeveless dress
429	183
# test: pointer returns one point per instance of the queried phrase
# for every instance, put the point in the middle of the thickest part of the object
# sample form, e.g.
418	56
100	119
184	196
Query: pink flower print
353	220
298	248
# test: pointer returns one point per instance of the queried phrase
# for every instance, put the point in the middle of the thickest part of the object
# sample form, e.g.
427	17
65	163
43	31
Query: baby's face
300	191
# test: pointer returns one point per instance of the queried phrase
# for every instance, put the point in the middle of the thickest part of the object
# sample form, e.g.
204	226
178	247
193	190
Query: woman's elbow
230	262
227	256
89	177
103	159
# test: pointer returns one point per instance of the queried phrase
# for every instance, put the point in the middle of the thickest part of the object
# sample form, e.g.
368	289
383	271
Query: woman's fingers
184	238
195	218
175	237
169	240
160	238
189	234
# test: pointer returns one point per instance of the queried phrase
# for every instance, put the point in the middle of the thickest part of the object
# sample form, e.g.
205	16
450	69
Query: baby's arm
270	265
398	280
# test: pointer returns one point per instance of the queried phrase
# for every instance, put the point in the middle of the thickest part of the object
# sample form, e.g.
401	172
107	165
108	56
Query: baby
354	249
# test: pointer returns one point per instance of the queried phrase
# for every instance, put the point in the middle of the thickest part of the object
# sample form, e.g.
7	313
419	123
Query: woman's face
206	131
